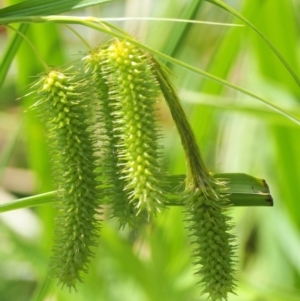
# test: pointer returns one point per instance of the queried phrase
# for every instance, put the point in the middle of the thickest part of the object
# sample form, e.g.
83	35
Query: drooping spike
65	109
122	209
133	91
205	205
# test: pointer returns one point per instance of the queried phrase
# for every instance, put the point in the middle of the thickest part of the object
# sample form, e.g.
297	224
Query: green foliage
48	7
234	132
127	90
127	85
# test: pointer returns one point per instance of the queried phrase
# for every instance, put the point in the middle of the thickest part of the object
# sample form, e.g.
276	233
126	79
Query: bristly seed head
212	244
63	106
109	135
123	83
133	92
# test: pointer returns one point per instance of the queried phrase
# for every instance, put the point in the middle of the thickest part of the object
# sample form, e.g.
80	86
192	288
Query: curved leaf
48	7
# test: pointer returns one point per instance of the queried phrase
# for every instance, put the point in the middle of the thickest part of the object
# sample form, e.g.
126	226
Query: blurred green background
235	133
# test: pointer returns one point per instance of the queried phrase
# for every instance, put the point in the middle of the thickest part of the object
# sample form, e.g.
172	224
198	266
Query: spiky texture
66	111
205	207
212	243
122	208
133	92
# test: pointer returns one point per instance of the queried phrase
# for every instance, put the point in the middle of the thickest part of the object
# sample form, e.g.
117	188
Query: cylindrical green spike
64	108
133	91
206	208
116	195
213	250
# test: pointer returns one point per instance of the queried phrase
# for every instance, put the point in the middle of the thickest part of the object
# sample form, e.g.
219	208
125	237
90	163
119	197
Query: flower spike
64	107
133	92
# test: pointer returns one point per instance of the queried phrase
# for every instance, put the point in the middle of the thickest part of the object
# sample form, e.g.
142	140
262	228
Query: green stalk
242	190
197	173
31	201
97	24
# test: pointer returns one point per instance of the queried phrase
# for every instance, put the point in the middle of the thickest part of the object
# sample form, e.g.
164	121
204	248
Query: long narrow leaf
96	24
242	190
274	49
39	199
179	30
48	7
11	51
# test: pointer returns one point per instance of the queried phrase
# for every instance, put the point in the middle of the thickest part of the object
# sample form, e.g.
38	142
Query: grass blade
11	51
243	190
274	49
179	30
48	7
36	200
96	24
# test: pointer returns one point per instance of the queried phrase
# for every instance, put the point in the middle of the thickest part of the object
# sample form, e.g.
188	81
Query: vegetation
238	83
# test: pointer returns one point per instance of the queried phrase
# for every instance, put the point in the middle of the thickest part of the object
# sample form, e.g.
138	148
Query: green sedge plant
105	145
106	150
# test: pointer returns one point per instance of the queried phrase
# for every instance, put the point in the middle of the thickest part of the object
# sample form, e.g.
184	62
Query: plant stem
243	190
97	24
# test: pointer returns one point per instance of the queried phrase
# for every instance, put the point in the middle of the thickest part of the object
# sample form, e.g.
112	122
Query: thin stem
39	57
235	199
197	173
36	200
79	36
96	23
241	190
172	20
